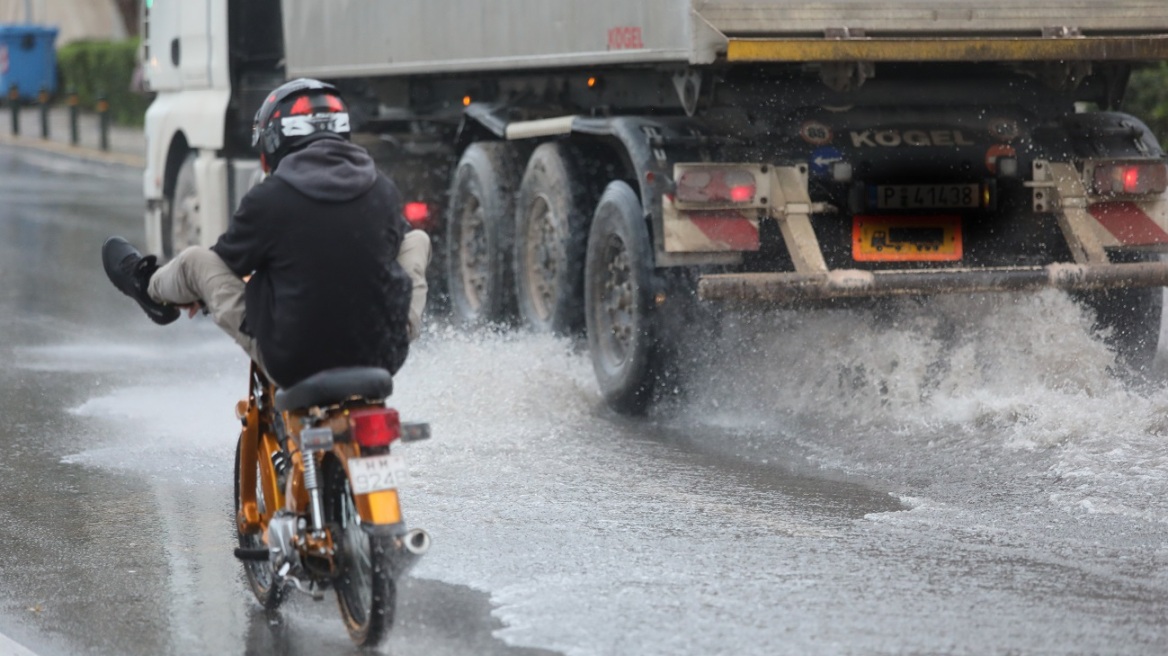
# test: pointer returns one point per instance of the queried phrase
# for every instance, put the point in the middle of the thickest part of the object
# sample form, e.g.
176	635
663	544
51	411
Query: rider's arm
245	244
414	256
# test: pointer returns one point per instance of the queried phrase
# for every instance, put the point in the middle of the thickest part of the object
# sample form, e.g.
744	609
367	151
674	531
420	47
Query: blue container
28	59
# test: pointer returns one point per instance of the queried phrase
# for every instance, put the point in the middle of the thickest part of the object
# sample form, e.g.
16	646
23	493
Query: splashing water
1003	373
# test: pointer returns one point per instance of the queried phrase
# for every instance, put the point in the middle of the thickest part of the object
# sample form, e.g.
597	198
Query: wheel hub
544	255
616	303
474	263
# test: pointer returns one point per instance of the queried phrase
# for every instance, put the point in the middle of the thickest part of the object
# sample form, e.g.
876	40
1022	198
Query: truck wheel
1132	318
551	233
181	224
623	335
480	233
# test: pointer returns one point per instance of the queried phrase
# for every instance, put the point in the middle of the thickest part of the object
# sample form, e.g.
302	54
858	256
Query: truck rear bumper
853	283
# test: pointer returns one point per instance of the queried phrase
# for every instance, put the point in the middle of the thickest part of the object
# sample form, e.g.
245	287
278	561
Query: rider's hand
192	309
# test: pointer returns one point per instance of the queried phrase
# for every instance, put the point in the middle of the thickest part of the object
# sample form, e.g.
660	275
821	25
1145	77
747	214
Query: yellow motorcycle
316	494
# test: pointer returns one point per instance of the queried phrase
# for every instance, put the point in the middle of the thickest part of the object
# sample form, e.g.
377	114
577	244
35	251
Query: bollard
74	109
43	101
103	115
14	104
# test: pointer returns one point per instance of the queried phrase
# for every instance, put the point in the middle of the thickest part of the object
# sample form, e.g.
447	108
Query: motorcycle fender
248	518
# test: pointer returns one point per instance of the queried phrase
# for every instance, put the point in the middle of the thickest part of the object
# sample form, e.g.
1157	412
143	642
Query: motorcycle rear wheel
260	577
366	591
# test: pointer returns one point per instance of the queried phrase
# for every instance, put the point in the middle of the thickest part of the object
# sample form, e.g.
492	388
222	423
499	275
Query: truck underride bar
853	283
1018	49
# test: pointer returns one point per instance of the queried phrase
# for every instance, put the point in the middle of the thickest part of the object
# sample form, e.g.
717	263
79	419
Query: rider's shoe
130	272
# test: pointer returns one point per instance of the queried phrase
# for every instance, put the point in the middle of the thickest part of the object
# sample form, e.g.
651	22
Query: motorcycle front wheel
260	577
366	592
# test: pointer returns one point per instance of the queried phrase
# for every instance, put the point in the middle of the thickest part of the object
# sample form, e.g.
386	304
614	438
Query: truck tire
623	332
181	224
480	229
551	234
1130	320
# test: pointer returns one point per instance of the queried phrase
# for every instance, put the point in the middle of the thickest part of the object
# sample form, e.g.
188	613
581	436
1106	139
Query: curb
79	152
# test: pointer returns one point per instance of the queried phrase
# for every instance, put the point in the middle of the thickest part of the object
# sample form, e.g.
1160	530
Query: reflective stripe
1094	48
728	233
298	126
1128	222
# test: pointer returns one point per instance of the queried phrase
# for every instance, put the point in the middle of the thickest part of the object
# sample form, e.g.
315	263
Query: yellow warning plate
906	238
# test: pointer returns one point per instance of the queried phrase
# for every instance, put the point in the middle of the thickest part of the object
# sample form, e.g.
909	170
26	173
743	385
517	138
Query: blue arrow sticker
823	158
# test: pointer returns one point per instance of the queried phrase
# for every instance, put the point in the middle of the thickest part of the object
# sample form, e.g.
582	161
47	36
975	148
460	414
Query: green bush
1147	98
94	68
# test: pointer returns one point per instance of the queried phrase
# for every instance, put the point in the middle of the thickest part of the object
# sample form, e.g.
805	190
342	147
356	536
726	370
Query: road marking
81	152
10	647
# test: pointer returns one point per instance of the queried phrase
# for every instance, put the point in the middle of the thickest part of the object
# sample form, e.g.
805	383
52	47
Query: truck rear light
375	427
1130	178
416	213
709	185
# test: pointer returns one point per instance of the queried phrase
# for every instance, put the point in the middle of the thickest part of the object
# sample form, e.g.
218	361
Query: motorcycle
316	494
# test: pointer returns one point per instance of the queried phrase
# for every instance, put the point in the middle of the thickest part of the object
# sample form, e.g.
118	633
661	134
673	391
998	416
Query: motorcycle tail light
1130	178
417	214
711	185
376	427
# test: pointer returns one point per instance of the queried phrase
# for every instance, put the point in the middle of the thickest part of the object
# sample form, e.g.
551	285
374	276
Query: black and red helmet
296	113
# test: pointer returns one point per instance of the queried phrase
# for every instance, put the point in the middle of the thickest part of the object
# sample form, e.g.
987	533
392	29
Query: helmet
294	114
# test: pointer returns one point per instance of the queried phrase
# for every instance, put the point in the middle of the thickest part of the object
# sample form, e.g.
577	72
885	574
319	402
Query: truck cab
209	62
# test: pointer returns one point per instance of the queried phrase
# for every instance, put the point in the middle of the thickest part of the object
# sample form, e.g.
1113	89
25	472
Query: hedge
94	68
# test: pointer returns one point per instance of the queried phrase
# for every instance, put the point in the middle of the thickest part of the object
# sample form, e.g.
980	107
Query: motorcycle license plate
376	473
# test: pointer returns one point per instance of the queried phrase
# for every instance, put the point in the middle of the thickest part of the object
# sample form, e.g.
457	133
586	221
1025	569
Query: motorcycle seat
333	386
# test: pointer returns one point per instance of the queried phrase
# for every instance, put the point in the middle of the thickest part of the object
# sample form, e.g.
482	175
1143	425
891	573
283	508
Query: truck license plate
910	197
906	238
376	473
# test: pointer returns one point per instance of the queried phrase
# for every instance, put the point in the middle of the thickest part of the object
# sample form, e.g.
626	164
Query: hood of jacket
331	170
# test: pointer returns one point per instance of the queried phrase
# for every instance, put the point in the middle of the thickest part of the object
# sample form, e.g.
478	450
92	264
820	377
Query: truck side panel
420	36
931	17
326	39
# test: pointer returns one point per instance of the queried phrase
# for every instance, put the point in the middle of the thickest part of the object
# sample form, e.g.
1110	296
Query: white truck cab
195	170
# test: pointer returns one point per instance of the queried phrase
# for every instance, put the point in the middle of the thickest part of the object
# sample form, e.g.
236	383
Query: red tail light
1128	178
416	213
375	427
716	186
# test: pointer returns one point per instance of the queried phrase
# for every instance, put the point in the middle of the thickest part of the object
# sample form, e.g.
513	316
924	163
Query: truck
621	168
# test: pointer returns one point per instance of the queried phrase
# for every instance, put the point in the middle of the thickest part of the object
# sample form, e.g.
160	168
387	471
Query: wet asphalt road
847	488
109	562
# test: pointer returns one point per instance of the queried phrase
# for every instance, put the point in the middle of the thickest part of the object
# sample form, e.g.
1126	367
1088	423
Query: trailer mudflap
793	287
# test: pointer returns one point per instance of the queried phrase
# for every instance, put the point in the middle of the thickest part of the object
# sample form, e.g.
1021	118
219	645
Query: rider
337	277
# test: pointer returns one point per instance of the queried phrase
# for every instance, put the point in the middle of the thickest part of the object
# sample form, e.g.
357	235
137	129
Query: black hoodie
320	238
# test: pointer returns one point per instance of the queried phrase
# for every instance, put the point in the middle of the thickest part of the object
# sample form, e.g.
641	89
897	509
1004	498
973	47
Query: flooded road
961	477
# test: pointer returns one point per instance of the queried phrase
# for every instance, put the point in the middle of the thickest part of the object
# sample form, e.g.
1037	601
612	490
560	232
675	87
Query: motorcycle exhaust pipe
414	544
417	542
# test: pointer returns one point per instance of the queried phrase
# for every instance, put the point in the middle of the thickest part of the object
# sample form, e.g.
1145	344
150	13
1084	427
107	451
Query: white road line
9	647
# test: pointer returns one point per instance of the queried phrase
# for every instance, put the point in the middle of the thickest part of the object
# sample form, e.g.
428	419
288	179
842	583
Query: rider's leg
414	257
198	274
130	272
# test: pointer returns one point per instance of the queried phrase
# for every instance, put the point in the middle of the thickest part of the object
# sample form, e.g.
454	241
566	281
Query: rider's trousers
198	274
